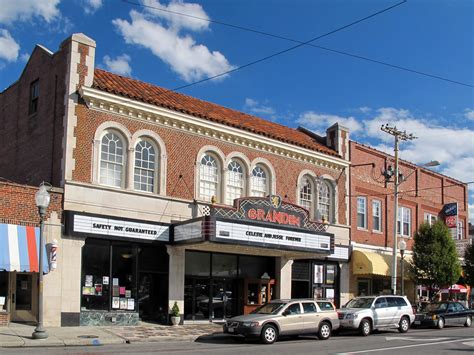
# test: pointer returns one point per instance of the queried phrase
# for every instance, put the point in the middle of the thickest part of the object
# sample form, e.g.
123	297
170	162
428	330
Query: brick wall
31	144
182	149
17	204
423	191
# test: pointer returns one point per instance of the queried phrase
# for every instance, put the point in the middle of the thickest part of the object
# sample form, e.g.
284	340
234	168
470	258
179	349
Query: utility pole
399	136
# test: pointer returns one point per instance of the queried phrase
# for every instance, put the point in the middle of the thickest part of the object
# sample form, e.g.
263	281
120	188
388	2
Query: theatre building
170	199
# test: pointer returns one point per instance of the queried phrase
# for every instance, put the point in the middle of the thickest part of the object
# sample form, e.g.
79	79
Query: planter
175	320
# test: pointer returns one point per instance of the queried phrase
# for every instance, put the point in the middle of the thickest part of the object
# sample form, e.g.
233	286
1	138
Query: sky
306	86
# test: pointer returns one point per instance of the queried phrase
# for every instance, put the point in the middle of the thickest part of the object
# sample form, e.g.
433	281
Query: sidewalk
19	335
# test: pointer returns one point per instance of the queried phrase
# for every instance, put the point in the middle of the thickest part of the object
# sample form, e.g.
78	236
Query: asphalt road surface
417	341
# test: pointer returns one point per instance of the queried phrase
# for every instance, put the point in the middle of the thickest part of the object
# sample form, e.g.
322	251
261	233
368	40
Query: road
416	341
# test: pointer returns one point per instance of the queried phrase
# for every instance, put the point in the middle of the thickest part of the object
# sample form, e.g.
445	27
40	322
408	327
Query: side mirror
343	306
285	313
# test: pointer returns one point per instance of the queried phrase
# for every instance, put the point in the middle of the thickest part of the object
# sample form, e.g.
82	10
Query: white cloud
469	114
91	6
190	60
24	10
179	21
9	49
319	122
25	57
365	109
471	213
119	65
258	109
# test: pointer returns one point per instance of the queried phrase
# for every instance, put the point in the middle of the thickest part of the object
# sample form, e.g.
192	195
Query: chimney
337	138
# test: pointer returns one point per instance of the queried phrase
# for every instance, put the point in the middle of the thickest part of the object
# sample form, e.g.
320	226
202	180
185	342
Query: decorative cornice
110	103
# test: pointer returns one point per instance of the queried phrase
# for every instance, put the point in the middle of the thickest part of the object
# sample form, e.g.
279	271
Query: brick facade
17	204
423	192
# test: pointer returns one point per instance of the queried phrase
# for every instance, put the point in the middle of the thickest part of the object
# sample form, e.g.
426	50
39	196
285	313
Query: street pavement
416	341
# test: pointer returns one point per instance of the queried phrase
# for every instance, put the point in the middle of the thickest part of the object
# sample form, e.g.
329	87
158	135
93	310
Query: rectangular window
34	97
377	215
458	233
404	221
430	218
362	212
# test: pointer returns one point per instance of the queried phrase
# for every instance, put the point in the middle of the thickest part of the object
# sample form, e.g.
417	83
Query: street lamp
402	245
42	199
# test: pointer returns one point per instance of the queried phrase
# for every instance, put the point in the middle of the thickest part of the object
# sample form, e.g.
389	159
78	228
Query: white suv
377	312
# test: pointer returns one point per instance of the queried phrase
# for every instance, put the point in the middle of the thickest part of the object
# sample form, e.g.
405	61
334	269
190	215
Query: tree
435	261
469	265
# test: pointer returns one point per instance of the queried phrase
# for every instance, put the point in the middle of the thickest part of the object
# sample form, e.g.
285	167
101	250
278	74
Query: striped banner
19	249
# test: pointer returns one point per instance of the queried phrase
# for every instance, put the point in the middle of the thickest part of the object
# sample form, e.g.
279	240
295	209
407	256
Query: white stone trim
103	101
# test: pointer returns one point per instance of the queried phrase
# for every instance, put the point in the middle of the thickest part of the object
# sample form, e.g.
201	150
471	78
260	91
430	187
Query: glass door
24	296
224	299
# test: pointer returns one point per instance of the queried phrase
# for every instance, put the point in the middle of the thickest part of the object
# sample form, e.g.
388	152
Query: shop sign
271	237
450	211
119	228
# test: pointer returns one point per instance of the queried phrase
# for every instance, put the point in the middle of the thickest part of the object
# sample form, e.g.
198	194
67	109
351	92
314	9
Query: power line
263	33
300	44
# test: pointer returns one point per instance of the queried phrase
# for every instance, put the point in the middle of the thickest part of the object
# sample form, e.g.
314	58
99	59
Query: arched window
208	177
306	194
145	167
259	184
112	160
235	182
324	201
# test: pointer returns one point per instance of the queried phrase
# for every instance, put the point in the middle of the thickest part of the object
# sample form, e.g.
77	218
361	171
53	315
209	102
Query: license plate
231	330
417	322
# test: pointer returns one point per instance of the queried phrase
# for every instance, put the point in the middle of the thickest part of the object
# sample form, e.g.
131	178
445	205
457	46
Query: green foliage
175	310
435	261
469	265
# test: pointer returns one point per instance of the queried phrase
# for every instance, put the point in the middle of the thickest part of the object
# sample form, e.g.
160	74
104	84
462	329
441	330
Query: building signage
119	228
271	237
450	211
270	210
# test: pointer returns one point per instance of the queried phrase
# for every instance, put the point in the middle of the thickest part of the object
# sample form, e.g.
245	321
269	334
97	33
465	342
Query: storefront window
3	290
198	264
95	275
124	291
256	266
224	265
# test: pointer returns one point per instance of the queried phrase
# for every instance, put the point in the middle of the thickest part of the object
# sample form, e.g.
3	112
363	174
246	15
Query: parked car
377	312
439	314
286	317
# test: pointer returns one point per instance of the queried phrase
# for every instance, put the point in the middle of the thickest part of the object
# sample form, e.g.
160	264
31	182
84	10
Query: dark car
439	314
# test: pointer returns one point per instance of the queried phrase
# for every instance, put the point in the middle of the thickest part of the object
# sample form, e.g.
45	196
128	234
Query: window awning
19	249
371	263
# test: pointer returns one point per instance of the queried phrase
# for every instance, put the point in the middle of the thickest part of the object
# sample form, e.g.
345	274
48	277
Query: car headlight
352	316
250	324
434	317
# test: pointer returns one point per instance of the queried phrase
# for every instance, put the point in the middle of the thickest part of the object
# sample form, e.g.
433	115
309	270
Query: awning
371	263
19	249
455	289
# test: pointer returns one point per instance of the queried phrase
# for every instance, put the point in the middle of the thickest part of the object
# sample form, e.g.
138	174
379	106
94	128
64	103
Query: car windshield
269	308
431	307
360	302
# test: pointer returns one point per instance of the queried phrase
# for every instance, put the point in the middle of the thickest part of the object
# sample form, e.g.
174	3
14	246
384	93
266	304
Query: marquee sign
271	210
88	225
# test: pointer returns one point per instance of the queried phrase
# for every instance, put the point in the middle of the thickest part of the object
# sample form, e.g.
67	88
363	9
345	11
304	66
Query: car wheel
324	332
468	322
269	334
365	327
404	325
440	324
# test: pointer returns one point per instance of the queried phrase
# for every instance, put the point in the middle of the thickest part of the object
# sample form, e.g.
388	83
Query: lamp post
402	245
42	199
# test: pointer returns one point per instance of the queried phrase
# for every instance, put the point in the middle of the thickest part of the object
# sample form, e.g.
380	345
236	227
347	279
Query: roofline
95	97
411	164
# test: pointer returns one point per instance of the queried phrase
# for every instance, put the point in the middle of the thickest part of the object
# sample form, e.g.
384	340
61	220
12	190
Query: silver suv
286	317
377	312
